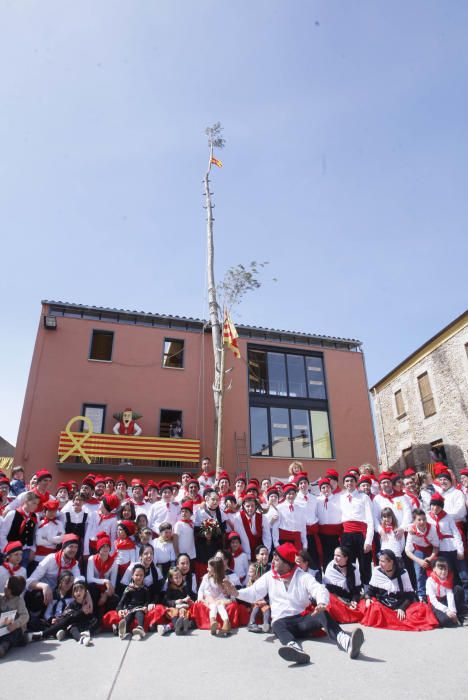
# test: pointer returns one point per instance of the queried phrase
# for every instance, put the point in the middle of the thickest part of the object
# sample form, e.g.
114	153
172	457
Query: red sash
355	526
42	551
254	540
290	536
332	529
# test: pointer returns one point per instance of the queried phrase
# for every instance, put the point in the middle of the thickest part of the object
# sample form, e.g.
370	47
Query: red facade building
292	396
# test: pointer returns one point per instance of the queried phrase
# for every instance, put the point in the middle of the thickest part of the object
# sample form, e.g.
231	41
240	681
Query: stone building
421	406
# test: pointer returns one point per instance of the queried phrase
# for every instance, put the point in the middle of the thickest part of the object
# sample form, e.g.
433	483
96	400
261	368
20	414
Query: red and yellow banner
88	445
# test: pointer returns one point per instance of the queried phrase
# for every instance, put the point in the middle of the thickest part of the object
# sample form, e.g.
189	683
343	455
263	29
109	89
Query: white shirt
5	575
185	539
401	506
289	601
431	592
334	577
209	588
92	574
329	513
293	520
162	512
389	540
164	552
49	535
358	508
447	527
265	534
47	572
414	540
309	503
95	525
454	503
241	566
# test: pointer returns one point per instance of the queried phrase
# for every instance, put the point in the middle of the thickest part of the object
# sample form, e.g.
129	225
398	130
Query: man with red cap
389	498
50	532
11	566
20	524
43	581
292	525
253	527
164	510
358	525
334	477
104	521
290	591
308	501
138	497
224	486
184	536
454	500
329	520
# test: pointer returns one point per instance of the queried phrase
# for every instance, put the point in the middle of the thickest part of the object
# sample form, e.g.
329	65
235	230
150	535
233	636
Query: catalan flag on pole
215	161
230	335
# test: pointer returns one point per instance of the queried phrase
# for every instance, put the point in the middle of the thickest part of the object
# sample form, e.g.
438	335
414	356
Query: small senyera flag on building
230	335
215	161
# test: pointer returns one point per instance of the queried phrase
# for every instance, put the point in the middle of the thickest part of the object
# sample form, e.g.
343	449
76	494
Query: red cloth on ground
340	612
237	615
419	617
156	616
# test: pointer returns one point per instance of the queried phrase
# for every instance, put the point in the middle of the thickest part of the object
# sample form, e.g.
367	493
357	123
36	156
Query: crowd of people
294	557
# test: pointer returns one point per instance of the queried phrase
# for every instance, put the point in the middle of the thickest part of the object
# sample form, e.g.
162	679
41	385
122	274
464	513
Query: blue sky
345	167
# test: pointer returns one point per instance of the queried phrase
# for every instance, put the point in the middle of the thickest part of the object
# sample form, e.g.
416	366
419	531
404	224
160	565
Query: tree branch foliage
215	135
238	281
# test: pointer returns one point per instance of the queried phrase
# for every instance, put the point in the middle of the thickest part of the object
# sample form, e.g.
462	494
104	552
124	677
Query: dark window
170	424
97	415
259	437
315	378
427	399
408	458
400	406
296	376
437	452
101	346
173	353
288	405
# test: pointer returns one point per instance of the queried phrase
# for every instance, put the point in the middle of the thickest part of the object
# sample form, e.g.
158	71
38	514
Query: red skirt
156	616
200	570
340	612
419	617
238	615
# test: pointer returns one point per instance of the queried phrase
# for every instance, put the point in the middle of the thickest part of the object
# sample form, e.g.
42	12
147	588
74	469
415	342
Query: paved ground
393	665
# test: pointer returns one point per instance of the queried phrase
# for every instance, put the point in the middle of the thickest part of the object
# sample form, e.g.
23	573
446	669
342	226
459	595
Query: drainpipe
377	404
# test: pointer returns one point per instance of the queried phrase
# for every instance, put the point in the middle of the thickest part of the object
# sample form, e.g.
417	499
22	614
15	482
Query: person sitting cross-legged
290	591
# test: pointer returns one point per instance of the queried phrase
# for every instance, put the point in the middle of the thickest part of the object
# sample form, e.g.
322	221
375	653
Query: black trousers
137	615
354	541
313	553
74	624
95	593
290	629
329	544
443	619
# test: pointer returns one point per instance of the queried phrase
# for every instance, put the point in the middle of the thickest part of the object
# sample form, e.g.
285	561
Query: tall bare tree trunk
214	314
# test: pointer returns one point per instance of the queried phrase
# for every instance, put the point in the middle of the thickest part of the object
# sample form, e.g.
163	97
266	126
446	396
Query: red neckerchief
387	528
107	516
46	521
43	497
126	543
424	535
282	577
11	569
437	519
102	567
385	495
26	518
3	506
189	521
237	553
61	565
414	499
447	583
207	475
92	501
137	503
337	490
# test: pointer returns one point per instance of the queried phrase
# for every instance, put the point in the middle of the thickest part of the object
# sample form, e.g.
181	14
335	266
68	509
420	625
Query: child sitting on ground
178	602
62	597
134	604
77	620
212	594
12	601
260	606
447	600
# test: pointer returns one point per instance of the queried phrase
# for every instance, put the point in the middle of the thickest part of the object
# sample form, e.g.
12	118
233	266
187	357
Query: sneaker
179	626
138	633
355	643
60	636
187	625
226	628
115	630
122	628
266	627
293	652
213	627
34	636
164	629
252	627
85	639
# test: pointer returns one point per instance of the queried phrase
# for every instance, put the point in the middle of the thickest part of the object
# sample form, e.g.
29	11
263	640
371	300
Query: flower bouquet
210	528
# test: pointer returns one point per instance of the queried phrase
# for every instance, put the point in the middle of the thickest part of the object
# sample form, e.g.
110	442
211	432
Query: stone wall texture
447	368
